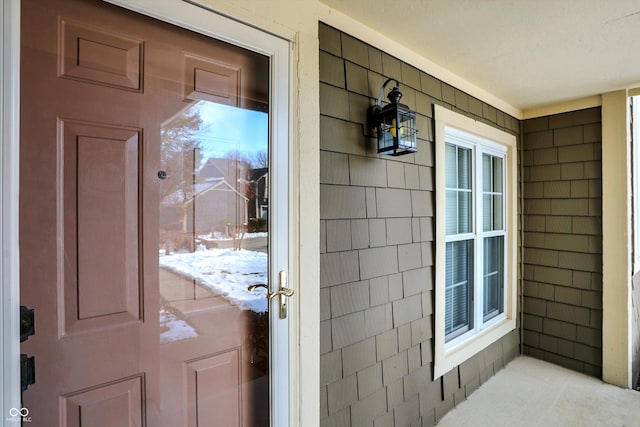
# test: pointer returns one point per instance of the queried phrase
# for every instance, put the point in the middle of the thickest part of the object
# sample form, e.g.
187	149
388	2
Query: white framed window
476	237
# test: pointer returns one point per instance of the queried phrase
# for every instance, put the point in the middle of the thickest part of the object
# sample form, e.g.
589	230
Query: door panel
206	79
100	56
138	188
100	191
116	404
213	387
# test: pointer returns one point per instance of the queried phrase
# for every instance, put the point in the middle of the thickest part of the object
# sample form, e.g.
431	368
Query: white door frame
9	179
285	409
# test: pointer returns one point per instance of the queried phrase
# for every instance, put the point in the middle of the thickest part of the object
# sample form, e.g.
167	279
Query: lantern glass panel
386	127
407	131
386	132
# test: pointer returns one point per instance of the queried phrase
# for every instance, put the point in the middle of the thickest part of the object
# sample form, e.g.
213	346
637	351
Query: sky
229	129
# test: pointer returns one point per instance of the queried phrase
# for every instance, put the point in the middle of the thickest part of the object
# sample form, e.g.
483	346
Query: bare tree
180	156
238	156
260	160
180	152
238	174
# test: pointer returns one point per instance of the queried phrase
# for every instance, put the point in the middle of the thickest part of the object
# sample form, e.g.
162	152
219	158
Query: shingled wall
377	248
563	239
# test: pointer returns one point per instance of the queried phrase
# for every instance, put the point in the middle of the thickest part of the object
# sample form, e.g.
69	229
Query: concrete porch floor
531	392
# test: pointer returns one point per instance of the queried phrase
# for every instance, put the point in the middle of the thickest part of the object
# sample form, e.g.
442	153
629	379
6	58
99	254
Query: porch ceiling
528	53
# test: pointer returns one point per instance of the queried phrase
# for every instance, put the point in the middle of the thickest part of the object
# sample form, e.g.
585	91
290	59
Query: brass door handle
284	293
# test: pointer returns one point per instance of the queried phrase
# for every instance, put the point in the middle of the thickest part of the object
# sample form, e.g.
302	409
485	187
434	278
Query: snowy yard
174	329
226	272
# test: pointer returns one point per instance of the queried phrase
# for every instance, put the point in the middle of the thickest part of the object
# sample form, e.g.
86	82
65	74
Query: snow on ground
226	272
174	329
222	236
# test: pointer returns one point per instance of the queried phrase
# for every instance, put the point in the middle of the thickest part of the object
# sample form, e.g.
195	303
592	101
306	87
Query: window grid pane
451	225
459	191
497	174
493	277
458	288
464	212
450	166
492	186
486	173
464	168
497	207
487	212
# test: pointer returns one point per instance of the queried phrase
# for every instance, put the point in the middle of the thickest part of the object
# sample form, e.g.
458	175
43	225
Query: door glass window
214	258
213	209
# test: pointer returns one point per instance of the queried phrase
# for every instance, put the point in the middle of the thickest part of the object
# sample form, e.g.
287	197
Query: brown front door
143	219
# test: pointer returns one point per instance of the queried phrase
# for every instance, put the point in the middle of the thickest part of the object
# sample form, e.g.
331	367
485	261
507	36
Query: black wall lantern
395	123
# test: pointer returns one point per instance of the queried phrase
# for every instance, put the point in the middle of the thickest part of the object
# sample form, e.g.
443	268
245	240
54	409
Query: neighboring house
209	206
231	169
259	194
215	200
376	341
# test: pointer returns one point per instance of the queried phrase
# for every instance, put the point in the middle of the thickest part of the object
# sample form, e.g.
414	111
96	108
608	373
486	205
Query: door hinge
27	371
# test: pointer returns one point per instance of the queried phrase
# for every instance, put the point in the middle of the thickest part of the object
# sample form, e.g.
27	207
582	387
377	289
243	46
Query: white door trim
9	179
195	18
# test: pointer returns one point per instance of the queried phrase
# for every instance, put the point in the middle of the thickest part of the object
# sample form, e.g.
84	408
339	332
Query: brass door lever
284	293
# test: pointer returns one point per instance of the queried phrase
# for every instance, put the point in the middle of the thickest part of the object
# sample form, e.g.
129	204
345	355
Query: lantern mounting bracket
395	94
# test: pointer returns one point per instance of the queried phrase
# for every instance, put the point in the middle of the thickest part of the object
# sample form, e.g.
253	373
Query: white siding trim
616	242
563	107
371	36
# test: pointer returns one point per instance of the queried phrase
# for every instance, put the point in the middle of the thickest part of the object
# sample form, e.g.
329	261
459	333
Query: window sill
448	357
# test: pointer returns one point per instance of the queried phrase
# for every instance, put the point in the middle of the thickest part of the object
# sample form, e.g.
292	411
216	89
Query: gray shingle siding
377	248
563	239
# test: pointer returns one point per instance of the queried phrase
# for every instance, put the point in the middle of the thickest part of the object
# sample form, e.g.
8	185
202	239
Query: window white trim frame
448	356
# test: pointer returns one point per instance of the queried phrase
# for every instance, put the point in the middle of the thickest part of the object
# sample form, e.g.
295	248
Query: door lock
27	323
27	371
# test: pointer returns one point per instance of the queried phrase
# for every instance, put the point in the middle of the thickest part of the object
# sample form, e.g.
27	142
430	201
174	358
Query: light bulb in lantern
392	130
